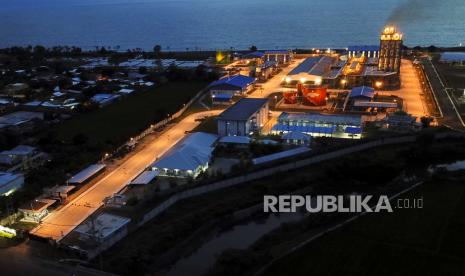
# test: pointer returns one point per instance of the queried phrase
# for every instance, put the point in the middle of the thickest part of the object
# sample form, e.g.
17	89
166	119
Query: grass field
128	117
428	241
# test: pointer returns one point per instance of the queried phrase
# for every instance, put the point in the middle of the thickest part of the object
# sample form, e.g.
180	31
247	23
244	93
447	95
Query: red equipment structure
315	96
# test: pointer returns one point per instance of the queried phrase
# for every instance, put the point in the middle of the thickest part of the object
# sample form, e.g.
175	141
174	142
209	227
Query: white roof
296	135
190	153
103	226
145	178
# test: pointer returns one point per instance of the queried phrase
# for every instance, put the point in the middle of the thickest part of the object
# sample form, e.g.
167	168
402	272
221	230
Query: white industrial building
188	158
245	117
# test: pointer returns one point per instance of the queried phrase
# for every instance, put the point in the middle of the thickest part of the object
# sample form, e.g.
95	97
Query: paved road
273	85
61	222
410	91
451	117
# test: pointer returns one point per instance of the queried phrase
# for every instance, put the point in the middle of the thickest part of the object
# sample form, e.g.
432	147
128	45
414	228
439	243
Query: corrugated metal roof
87	173
318	66
240	81
362	91
190	153
243	109
145	178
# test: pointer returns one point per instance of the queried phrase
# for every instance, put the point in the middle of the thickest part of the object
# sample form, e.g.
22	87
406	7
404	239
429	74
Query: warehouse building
245	117
188	158
320	125
232	85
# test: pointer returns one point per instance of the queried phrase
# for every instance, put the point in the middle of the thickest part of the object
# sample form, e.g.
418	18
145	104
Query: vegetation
118	122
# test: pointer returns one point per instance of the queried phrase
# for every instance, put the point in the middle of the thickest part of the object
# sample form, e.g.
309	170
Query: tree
157	50
253	48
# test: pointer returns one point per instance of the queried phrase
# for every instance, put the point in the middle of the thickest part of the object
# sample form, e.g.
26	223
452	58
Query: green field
428	241
128	117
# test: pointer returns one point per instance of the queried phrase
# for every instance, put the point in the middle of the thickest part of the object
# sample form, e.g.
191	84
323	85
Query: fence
281	168
152	128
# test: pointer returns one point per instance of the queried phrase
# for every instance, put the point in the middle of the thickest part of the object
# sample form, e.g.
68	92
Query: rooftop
235	140
102	226
240	81
145	178
243	109
85	174
317	66
354	120
188	154
362	91
20	117
279	155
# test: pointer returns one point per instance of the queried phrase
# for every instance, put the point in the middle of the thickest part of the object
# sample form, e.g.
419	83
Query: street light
379	84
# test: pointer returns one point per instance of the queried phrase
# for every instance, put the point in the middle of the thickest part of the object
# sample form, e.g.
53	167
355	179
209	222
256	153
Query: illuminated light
343	82
288	79
7	232
9	192
303	80
379	84
318	81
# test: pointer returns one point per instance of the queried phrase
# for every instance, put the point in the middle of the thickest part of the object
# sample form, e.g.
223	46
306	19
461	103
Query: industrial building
320	125
188	158
245	117
390	50
231	86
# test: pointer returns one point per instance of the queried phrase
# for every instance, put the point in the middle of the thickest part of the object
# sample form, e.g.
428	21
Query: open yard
119	121
426	241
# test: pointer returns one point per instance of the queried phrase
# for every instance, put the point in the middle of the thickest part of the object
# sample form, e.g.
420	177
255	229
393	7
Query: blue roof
453	57
362	91
236	80
255	54
361	48
353	130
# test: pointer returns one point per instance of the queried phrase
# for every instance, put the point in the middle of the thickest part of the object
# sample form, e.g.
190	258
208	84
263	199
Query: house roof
190	153
240	81
362	91
243	109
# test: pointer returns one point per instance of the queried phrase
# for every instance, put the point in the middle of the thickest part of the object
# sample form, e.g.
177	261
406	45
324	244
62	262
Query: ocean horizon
222	24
